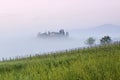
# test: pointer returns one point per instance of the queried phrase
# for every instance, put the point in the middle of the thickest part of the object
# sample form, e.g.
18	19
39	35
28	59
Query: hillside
96	63
108	28
102	30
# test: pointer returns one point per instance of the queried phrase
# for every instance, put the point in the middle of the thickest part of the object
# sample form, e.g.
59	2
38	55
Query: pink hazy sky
24	14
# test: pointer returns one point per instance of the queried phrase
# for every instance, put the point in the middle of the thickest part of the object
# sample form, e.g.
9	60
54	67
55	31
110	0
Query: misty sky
21	20
19	15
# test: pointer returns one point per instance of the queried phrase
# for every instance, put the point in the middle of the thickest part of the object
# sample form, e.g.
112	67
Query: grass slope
98	63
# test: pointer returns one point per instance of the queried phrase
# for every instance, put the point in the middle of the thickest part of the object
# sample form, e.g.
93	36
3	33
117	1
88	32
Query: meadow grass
95	63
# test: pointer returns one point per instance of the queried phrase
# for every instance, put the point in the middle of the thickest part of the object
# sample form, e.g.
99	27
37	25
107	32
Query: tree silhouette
106	40
90	41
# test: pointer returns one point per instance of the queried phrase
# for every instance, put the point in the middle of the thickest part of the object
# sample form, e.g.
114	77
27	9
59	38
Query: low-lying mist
23	45
18	46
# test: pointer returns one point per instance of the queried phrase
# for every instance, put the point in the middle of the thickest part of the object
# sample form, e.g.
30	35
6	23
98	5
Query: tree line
104	40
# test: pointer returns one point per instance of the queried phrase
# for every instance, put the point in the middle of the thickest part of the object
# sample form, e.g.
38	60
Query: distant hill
109	28
105	29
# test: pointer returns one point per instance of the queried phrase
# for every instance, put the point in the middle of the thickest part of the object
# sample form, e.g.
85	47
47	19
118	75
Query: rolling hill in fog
99	31
106	28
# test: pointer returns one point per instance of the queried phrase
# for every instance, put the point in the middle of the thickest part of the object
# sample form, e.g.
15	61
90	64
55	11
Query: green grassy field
98	63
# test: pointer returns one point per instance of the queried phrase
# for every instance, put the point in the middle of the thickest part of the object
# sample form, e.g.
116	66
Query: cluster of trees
60	33
104	40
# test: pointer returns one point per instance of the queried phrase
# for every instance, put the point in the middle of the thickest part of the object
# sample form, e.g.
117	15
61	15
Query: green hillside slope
98	63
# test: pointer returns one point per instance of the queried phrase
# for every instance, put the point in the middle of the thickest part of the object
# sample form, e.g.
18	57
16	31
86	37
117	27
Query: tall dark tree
106	40
62	32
